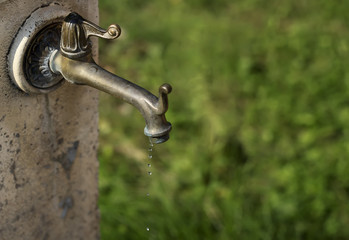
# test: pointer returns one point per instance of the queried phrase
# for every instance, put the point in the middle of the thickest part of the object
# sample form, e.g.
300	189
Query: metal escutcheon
28	58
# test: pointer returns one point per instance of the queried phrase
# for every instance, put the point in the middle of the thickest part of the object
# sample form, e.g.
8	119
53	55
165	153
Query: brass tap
73	60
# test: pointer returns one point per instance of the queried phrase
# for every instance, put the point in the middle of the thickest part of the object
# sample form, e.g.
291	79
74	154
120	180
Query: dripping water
150	156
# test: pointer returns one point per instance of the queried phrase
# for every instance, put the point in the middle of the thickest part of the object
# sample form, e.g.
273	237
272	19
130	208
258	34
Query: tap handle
92	29
164	90
76	31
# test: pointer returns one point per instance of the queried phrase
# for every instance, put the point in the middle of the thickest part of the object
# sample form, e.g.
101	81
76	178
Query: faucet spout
83	70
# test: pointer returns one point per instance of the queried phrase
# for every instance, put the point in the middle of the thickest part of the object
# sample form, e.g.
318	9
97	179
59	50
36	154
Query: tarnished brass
76	31
45	52
75	63
38	53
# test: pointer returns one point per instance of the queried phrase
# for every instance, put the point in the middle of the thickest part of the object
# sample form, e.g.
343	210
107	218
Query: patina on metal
31	48
37	69
73	61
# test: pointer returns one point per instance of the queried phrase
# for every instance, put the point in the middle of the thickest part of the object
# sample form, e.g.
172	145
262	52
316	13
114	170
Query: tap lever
92	29
76	31
164	90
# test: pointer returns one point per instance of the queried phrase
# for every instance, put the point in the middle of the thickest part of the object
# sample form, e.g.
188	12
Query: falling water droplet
150	142
150	156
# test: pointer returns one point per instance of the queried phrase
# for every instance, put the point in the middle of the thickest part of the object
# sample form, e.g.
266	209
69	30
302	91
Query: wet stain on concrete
16	219
2	118
60	141
66	204
67	158
13	172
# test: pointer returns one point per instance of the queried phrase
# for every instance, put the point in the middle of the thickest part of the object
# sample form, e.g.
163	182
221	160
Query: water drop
150	173
150	156
149	165
148	194
150	149
151	142
148	229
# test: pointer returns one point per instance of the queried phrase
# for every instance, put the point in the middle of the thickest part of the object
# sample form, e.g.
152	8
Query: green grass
260	114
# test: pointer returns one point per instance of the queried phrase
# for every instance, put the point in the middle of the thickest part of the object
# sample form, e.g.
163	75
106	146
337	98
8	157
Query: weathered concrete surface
48	163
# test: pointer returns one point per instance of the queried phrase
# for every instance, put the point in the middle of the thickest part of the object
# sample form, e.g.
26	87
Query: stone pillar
48	144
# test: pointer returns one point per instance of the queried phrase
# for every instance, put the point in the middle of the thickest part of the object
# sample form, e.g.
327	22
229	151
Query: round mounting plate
28	58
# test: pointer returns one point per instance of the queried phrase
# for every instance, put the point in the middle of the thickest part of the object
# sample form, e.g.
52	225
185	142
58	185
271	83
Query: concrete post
48	144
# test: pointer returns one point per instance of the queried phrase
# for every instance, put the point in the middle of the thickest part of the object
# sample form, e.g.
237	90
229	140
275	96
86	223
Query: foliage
260	114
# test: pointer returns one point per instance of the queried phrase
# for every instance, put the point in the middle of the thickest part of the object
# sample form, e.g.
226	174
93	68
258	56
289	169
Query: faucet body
75	63
85	71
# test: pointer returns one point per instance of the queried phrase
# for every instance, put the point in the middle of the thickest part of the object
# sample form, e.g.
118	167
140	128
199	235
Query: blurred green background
260	114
